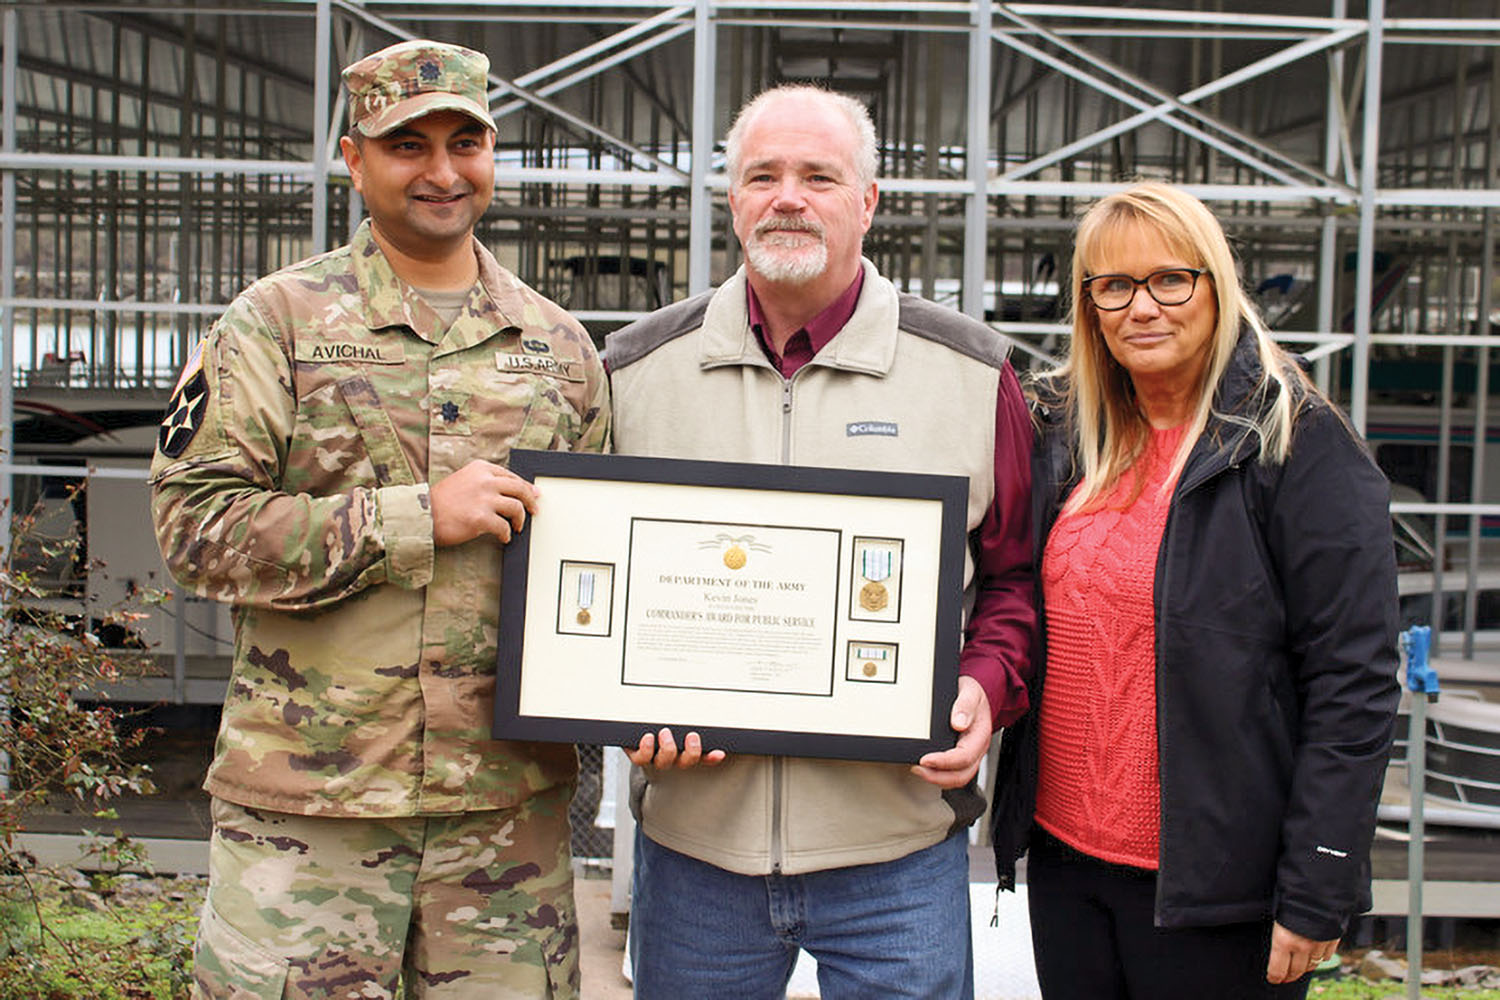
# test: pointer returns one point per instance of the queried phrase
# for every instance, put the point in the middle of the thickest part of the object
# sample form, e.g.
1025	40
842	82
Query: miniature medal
734	557
585	597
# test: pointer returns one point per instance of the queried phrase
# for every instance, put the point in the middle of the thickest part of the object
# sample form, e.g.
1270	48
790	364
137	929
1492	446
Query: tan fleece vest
691	382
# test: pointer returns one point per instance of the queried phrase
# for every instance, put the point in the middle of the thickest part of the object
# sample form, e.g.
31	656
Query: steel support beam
976	210
1369	178
700	199
1328	260
352	49
8	82
1486	305
8	77
322	74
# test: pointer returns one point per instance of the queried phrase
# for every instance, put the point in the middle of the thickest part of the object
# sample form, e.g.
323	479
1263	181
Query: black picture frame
588	502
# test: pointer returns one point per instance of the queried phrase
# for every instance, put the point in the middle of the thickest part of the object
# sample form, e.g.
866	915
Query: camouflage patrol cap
391	87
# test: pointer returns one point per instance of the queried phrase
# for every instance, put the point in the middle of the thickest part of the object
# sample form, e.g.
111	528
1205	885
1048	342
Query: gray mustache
788	224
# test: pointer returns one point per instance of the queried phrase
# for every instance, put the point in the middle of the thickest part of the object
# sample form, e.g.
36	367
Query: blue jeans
895	929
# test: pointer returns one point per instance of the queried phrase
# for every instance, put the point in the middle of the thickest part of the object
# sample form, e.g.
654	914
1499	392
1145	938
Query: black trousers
1094	937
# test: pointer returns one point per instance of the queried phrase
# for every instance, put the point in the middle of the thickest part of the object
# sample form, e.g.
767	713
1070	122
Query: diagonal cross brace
666	35
534	78
524	94
1168	104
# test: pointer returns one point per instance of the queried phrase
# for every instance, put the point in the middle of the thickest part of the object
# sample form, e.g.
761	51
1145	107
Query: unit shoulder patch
184	414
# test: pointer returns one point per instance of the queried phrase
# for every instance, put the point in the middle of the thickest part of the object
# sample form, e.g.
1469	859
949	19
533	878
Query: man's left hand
971	719
660	751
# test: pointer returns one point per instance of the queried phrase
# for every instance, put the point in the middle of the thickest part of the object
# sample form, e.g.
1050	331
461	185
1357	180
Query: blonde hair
1110	430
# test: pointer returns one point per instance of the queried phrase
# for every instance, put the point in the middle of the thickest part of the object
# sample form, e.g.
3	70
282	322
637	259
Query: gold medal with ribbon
875	567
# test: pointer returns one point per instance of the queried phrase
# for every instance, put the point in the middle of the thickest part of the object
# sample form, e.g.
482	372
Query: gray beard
783	264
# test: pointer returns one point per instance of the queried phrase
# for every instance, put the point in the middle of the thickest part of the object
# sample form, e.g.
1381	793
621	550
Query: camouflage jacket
291	480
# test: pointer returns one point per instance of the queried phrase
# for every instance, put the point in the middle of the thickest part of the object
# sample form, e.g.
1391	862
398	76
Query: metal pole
352	51
179	638
1440	522
1328	260
618	767
1422	682
1482	374
932	139
187	241
1453	324
321	70
700	199
1328	264
976	211
1416	779
8	269
1369	178
8	290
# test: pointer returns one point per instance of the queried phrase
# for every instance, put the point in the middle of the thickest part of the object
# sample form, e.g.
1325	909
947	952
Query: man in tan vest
807	356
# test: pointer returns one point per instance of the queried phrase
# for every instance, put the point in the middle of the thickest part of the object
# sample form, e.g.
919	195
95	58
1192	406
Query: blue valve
1420	677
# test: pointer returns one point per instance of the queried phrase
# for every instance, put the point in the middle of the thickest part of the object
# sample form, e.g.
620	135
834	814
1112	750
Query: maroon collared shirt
997	639
804	345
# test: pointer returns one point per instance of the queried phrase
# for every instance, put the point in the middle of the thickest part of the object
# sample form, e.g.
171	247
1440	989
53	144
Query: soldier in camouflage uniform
333	465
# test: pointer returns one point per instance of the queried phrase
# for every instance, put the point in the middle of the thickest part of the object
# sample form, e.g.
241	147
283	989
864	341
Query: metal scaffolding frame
158	156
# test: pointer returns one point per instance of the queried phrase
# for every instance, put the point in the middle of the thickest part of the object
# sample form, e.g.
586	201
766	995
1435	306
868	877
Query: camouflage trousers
478	905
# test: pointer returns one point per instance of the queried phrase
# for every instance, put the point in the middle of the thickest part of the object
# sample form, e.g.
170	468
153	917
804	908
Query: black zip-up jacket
1275	616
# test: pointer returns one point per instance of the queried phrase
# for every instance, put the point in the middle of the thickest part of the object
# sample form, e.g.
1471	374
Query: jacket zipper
1162	562
786	421
1161	707
776	815
777	762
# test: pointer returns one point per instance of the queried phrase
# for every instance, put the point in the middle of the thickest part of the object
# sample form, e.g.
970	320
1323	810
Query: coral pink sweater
1098	787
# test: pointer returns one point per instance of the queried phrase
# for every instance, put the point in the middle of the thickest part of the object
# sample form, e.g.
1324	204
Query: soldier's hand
482	498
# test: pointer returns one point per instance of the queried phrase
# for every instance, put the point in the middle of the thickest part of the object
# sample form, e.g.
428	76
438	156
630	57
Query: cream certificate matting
736	608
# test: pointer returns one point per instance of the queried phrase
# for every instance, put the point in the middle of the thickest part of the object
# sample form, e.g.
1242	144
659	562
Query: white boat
1463	738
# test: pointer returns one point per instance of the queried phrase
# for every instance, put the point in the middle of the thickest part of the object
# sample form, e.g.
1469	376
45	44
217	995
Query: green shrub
57	739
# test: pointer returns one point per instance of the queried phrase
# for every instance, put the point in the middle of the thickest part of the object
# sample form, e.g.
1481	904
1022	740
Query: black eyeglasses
1171	286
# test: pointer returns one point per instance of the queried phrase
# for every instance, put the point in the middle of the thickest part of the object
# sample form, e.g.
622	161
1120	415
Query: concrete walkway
603	954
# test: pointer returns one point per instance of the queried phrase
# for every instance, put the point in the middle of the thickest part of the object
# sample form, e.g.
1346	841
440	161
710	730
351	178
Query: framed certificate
772	609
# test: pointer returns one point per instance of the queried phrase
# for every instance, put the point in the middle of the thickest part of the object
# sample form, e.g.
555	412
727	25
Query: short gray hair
865	154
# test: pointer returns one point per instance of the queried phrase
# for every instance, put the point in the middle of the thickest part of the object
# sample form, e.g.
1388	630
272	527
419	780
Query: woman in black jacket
1213	699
